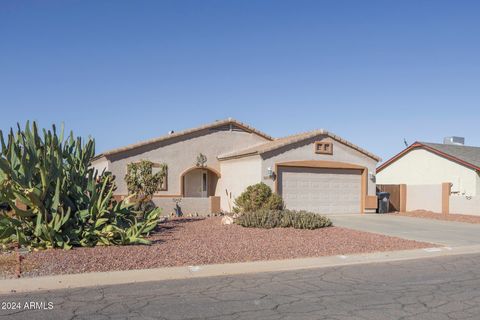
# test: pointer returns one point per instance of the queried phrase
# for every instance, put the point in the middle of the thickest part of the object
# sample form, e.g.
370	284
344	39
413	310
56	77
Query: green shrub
256	197
262	218
274	202
265	218
304	220
65	201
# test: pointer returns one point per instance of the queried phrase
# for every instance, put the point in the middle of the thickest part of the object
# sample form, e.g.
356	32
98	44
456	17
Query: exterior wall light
270	174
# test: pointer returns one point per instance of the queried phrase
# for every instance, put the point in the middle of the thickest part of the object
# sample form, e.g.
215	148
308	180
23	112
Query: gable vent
228	127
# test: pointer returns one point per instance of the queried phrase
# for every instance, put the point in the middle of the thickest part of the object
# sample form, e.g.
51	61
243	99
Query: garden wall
424	197
189	206
438	198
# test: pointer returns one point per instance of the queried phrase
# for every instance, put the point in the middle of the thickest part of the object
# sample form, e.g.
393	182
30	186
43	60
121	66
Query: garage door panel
321	190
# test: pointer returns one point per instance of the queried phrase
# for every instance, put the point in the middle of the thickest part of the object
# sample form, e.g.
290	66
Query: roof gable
221	125
289	140
463	155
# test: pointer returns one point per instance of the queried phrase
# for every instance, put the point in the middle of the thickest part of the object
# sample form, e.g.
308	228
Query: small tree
142	182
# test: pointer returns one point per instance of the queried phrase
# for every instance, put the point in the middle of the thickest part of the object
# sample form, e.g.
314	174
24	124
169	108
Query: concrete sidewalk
136	276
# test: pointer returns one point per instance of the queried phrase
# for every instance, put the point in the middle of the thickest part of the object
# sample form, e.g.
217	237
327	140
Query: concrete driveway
448	233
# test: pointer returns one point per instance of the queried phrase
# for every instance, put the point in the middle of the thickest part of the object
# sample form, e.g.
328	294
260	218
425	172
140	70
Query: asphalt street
436	288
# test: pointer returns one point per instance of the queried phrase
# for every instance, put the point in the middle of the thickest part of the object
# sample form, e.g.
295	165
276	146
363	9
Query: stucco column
446	190
403	198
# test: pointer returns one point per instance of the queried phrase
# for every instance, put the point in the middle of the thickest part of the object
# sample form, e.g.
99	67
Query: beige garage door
319	190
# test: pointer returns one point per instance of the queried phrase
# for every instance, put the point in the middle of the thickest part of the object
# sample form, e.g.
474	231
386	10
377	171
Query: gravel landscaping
185	241
439	216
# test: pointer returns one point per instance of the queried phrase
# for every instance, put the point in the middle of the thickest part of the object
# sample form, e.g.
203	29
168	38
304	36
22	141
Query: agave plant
57	198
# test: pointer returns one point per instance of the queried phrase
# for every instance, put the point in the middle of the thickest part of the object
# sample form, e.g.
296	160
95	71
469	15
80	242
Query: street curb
71	281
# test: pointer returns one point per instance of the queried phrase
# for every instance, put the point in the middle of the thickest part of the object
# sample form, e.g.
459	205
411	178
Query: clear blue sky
373	72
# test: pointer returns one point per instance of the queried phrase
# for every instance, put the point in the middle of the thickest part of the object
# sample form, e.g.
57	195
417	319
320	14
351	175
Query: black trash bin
383	202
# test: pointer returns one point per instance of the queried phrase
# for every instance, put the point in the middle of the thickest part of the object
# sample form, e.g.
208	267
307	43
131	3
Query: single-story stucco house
316	171
436	177
424	163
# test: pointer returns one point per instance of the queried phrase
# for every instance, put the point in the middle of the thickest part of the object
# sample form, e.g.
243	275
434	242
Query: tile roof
465	153
285	141
185	132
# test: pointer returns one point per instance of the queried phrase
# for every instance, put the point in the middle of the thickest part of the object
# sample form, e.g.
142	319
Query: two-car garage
321	186
316	171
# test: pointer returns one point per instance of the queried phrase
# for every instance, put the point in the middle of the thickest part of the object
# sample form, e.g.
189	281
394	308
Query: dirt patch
181	242
438	216
9	262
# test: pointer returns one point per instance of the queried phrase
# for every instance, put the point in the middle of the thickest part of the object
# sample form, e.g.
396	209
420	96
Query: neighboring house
425	163
424	167
316	171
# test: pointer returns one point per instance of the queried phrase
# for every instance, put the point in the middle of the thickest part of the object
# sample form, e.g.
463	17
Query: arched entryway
199	182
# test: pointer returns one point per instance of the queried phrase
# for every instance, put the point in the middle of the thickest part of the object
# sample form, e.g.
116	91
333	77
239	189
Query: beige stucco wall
189	206
477	186
424	197
465	205
180	154
305	151
237	175
100	164
420	166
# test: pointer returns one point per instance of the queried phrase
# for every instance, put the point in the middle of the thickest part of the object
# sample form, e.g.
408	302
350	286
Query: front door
204	186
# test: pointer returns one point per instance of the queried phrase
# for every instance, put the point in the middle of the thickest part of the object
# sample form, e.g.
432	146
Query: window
155	167
164	185
323	147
